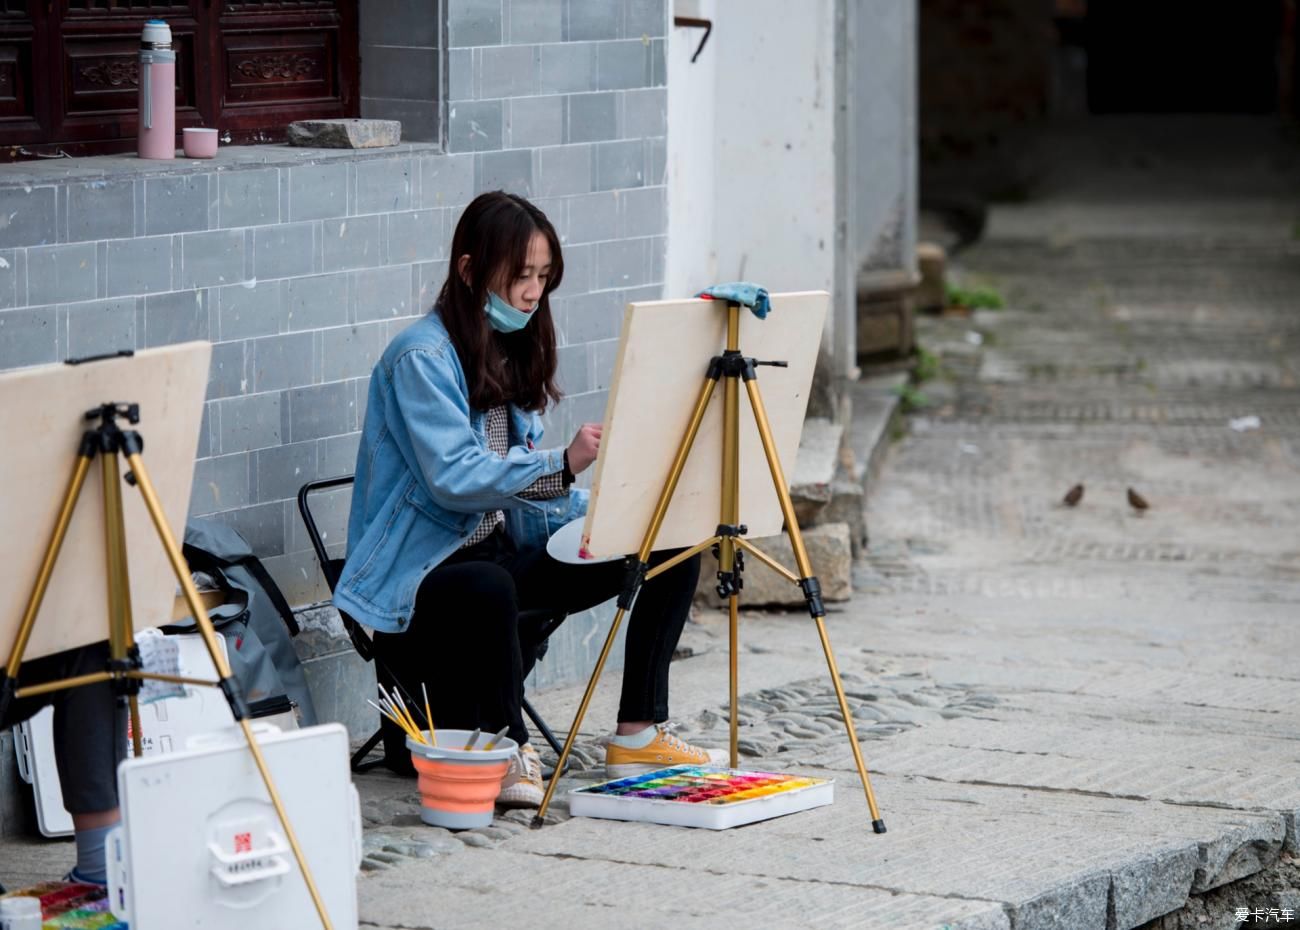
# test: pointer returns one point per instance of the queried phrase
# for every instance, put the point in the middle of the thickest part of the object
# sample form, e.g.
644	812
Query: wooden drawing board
663	358
41	412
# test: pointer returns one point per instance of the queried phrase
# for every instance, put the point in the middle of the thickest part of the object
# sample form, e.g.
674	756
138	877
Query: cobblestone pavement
1074	717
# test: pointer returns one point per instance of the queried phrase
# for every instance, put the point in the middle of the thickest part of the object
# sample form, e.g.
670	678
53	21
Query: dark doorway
1176	56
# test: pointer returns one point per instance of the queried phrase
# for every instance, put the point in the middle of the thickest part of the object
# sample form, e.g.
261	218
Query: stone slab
1052	859
1031	725
829	550
815	466
848	505
345	133
565	891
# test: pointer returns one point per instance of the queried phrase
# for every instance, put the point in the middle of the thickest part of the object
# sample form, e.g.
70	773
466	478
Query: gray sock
90	854
638	740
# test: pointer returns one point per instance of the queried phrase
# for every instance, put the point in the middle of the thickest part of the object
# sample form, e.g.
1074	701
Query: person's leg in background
653	627
653	630
90	739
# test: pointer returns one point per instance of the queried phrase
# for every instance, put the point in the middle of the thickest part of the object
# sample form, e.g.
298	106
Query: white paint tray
707	796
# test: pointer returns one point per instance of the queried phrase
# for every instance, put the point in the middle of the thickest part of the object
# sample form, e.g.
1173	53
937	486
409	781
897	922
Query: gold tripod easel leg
733	684
120	634
70	497
811	588
204	624
625	599
728	558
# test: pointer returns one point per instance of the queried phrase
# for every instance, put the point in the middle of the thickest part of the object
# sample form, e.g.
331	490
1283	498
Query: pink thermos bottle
157	133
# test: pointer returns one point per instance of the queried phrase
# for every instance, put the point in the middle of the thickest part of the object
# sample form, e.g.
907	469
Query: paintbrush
412	728
384	691
433	736
497	738
410	718
395	699
396	720
401	718
473	738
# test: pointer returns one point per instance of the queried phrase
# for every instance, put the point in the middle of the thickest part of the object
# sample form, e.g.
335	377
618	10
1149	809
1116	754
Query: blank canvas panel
42	408
663	359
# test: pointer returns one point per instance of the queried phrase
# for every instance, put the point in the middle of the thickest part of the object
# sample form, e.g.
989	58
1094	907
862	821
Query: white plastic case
202	847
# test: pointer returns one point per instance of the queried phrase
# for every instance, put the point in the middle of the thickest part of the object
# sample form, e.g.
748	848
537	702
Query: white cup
199	143
20	914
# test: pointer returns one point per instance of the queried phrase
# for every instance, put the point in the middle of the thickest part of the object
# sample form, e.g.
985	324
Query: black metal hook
690	22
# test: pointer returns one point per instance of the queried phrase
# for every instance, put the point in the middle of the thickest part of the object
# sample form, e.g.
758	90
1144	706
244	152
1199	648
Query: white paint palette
711	797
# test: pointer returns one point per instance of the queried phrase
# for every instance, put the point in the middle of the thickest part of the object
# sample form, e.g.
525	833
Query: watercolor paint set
711	797
72	906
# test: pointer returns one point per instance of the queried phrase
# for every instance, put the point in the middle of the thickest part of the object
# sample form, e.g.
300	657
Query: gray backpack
256	621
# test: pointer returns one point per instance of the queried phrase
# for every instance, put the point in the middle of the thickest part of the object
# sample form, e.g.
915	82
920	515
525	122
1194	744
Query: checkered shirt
544	488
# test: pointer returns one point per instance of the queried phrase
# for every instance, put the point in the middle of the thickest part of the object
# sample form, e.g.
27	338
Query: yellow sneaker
663	750
522	785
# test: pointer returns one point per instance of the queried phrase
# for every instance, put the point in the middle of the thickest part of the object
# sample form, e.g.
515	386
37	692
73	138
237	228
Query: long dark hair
494	231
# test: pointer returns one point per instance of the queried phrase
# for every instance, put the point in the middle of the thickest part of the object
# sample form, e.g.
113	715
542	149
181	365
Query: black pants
89	727
467	644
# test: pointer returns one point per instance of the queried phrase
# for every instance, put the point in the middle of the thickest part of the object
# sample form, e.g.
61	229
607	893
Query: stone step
932	261
875	405
885	314
848	505
828	481
815	468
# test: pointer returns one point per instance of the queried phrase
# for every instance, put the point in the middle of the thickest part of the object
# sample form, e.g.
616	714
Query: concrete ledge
229	157
875	407
815	467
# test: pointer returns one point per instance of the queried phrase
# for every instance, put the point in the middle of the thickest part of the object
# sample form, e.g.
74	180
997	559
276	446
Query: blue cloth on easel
747	293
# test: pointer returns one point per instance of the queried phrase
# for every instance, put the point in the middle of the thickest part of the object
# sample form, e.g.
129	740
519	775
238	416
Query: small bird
1137	501
1073	496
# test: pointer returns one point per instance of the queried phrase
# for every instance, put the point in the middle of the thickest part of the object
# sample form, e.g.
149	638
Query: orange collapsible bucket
458	787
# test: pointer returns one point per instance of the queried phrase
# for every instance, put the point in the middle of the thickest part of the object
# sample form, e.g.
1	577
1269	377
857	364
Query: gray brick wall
300	267
564	101
401	73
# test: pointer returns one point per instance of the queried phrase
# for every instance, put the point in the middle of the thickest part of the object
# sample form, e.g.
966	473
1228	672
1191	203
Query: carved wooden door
94	53
68	73
276	57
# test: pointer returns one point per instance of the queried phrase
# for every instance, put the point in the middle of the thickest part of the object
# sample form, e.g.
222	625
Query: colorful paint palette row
701	796
73	906
697	785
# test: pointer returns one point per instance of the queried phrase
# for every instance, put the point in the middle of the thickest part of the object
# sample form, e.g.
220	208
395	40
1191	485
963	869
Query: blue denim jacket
425	477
